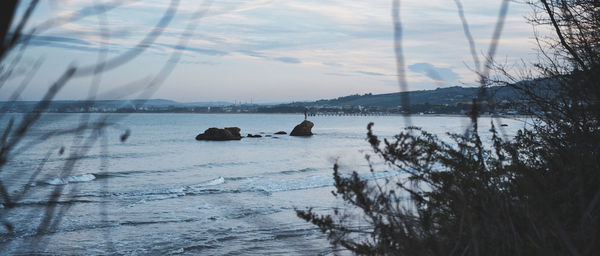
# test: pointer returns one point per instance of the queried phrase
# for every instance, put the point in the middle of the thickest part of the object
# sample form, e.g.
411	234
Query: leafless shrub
536	194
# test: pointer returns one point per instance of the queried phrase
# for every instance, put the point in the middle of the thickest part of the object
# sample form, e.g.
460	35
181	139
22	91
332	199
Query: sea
142	185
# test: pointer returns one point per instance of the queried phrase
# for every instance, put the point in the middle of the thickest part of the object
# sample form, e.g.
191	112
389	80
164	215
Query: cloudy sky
266	50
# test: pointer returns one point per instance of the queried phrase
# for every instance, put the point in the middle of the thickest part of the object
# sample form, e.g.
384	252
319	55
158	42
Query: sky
262	51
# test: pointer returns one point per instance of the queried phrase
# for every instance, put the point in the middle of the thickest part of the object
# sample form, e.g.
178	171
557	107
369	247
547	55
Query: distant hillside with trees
448	100
439	96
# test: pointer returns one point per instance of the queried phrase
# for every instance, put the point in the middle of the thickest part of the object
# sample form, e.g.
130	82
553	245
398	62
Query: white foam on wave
202	185
216	181
314	181
249	184
72	179
180	190
167	193
178	251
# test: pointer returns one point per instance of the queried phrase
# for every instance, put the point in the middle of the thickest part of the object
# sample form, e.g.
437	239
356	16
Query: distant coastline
442	101
299	114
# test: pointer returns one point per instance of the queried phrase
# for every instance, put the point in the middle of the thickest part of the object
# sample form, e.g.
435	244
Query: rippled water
162	192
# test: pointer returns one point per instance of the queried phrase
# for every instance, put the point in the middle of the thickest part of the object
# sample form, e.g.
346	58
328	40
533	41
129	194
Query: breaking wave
72	179
213	182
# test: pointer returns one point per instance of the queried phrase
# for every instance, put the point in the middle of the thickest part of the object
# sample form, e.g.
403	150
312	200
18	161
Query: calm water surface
162	192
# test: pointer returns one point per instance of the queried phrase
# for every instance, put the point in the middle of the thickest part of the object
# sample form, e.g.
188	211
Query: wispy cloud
288	60
251	53
433	72
195	49
340	46
56	39
371	73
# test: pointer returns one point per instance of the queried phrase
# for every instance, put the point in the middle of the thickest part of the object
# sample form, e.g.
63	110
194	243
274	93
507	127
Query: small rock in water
253	136
303	129
281	132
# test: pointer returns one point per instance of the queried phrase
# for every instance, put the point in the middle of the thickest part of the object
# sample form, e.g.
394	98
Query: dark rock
267	135
235	131
253	136
504	125
227	133
281	132
303	129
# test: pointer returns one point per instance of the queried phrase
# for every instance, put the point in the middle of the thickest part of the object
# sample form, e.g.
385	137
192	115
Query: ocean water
161	192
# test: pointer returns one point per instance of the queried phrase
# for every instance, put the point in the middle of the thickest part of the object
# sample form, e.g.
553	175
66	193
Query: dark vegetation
535	194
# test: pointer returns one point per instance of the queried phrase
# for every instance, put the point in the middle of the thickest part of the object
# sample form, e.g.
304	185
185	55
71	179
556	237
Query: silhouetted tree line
535	194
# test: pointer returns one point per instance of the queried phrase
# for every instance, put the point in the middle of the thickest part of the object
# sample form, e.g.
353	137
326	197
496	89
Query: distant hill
439	96
454	99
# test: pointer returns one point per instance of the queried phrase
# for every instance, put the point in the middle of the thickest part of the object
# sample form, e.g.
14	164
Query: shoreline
299	114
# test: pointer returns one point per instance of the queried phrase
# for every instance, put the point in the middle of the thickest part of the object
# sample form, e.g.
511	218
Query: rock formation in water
228	133
253	136
303	129
281	132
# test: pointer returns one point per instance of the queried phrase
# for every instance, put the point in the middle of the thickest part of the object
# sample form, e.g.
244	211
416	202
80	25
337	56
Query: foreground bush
535	194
